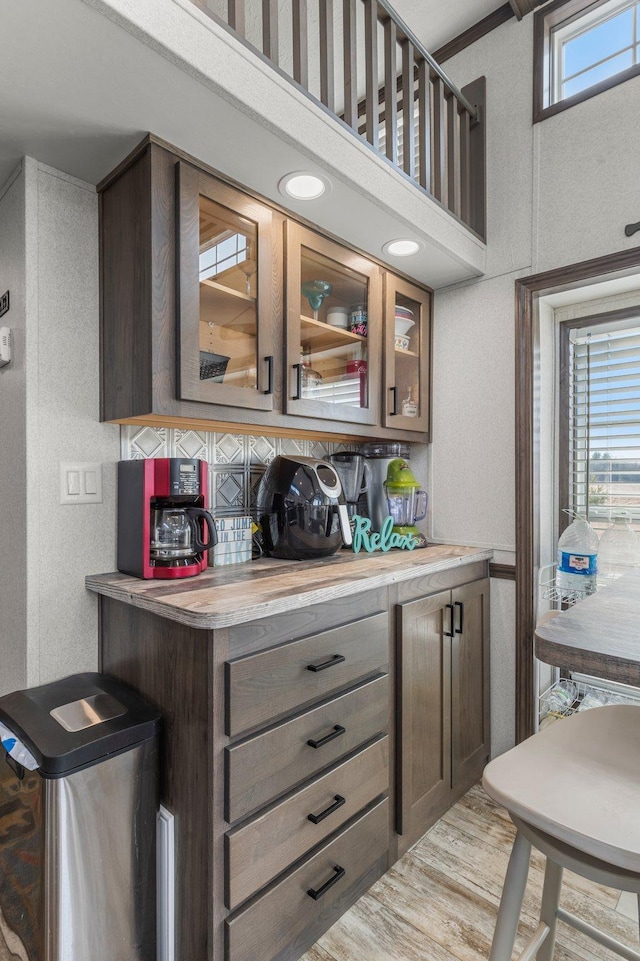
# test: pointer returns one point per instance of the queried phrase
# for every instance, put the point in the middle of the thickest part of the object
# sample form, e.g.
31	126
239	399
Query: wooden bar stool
573	792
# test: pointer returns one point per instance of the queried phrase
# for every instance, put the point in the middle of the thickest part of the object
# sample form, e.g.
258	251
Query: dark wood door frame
528	292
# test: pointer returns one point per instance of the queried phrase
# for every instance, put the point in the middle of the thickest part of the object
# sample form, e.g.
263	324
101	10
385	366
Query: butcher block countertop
226	596
599	635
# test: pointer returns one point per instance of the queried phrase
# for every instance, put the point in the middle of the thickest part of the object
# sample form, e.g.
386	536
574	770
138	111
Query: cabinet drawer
275	761
265	686
257	852
286	920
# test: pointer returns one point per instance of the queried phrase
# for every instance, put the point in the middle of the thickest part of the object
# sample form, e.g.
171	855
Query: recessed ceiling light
401	248
304	186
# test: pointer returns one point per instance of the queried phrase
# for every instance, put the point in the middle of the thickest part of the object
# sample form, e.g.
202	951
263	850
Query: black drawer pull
339	873
269	361
338	801
451	609
298	393
336	659
460	607
338	729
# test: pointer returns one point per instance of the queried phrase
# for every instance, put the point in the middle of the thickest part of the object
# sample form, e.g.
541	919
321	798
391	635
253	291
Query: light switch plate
80	483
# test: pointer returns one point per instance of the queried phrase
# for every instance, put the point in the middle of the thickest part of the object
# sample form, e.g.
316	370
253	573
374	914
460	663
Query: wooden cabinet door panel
470	681
406	401
424	708
346	366
217	316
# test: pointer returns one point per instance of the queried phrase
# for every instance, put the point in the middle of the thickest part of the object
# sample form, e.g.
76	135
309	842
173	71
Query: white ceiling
32	120
435	22
78	93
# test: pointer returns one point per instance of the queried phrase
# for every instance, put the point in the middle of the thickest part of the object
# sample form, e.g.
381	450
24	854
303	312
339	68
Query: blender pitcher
407	502
354	474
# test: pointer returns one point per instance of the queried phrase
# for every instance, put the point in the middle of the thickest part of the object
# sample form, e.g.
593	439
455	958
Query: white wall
59	363
13	612
558	192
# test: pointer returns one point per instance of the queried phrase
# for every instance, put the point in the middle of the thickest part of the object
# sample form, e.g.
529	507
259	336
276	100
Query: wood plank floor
439	902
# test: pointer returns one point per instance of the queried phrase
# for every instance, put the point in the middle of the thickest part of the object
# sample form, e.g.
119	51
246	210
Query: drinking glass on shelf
316	291
249	265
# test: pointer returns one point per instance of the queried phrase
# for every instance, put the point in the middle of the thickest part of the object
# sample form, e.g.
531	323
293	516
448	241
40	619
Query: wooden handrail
432	131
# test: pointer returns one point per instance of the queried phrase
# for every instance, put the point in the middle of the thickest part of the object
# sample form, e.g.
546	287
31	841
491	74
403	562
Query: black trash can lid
78	721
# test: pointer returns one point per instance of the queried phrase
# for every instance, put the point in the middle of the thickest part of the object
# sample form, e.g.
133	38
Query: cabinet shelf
229	291
405	353
226	307
321	336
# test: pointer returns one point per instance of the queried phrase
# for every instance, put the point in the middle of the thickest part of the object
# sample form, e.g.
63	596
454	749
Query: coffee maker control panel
184	477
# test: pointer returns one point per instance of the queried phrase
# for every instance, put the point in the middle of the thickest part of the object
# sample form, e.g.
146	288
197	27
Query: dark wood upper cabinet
194	275
226	294
333	371
407	352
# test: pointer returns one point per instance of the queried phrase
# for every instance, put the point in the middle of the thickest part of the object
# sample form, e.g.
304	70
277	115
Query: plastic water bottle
578	558
618	548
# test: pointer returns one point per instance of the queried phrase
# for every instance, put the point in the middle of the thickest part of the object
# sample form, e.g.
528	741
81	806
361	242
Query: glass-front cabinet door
334	330
226	294
407	393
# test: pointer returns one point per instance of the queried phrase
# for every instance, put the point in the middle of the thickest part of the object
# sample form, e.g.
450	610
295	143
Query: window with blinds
604	424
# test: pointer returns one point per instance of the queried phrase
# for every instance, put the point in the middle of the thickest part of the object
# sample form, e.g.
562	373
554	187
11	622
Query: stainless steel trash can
78	833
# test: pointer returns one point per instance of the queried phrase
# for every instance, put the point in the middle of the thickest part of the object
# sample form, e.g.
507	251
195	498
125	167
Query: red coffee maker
163	521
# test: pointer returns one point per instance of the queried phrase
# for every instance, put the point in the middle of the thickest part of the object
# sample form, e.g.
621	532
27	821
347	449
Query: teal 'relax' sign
366	539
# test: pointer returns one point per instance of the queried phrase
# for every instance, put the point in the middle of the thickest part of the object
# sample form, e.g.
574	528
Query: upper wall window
583	47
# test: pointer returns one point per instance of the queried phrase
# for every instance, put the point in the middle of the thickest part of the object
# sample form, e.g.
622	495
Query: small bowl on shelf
403	325
338	317
401	343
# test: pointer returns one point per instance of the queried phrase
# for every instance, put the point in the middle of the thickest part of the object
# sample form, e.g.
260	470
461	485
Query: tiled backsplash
236	462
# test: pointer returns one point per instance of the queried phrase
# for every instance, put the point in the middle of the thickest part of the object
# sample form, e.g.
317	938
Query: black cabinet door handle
450	608
338	873
336	659
394	394
269	361
338	729
338	801
298	393
460	607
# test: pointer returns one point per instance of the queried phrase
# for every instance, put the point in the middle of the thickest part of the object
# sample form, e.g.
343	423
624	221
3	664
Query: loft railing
359	59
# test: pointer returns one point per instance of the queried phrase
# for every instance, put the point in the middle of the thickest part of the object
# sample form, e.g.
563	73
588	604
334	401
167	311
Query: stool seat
578	781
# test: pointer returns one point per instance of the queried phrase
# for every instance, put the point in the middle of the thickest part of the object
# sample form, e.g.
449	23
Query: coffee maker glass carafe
175	533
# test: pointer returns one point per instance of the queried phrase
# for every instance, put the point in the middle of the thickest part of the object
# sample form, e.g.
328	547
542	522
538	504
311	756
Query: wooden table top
599	635
225	596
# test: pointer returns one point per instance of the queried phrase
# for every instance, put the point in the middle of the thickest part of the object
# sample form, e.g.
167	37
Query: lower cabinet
442	665
293	745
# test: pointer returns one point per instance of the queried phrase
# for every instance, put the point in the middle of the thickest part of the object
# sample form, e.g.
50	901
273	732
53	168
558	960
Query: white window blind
604	424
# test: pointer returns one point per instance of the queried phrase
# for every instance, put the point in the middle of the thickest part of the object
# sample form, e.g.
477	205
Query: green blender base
413	530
